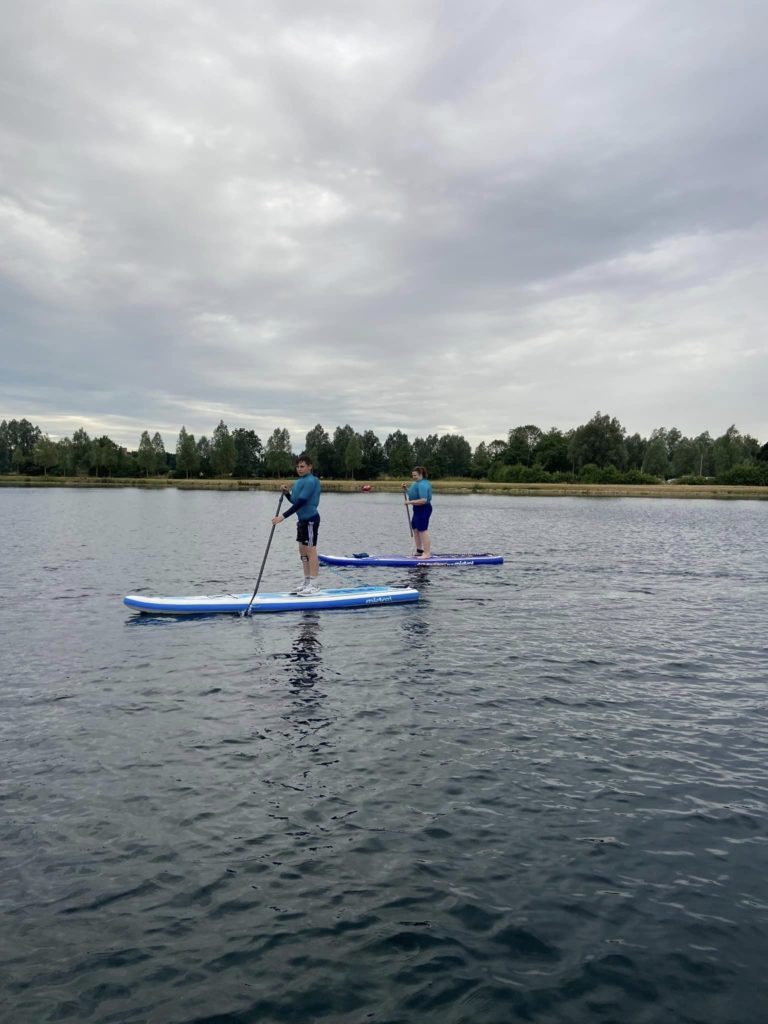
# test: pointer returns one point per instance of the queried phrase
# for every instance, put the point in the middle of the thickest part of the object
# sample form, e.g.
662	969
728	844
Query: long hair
421	470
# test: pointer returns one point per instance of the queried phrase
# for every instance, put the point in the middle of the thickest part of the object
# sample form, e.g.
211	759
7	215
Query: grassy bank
457	486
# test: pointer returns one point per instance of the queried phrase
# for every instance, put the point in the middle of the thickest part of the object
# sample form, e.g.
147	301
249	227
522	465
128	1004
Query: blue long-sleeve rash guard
304	497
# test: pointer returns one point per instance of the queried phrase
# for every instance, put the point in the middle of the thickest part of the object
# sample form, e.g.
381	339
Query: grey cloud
394	215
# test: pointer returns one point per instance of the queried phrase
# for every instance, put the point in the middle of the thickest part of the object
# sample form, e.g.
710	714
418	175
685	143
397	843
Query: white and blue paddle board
205	604
396	560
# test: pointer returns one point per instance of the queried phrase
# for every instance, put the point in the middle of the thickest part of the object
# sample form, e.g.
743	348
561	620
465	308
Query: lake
537	795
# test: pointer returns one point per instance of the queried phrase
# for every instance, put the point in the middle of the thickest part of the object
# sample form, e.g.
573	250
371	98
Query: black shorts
307	531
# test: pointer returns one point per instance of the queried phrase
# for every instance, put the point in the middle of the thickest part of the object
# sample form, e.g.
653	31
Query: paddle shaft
407	513
264	559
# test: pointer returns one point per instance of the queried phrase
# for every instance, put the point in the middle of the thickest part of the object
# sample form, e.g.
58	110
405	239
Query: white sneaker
308	588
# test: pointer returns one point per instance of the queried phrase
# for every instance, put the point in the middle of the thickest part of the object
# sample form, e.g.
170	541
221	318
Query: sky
434	217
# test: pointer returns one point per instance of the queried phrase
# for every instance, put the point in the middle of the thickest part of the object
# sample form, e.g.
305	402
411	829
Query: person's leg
417	542
308	550
312	564
304	557
422	516
302	539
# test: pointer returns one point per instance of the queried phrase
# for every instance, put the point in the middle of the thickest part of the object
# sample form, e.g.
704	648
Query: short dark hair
306	458
420	469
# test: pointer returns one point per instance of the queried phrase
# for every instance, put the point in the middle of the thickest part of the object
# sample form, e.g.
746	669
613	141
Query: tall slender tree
353	455
187	456
145	455
319	448
222	454
81	451
159	449
373	459
278	457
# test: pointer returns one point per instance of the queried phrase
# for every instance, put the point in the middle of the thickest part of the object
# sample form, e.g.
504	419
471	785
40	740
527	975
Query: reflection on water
537	794
419	577
416	626
307	711
304	662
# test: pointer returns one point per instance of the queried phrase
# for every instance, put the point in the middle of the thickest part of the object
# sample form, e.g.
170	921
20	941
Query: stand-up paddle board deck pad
347	597
484	559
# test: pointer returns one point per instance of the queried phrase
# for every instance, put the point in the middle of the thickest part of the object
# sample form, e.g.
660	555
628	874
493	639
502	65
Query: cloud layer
421	216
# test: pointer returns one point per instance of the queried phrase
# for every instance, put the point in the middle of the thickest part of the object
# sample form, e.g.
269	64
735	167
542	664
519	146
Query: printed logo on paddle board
383	599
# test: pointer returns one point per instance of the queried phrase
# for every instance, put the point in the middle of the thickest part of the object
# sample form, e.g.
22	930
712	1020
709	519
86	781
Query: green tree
66	463
551	452
455	455
705	446
397	449
685	459
425	451
497	450
673	439
353	456
600	442
46	454
222	454
22	437
729	450
105	455
126	463
373	458
278	457
158	448
249	453
341	438
5	448
635	446
145	455
204	457
319	448
80	452
521	444
656	460
481	461
187	456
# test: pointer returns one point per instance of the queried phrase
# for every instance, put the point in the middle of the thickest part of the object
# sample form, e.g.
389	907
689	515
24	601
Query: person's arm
295	506
296	502
417	501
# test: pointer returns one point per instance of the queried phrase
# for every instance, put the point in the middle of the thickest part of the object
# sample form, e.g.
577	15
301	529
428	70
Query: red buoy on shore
366	487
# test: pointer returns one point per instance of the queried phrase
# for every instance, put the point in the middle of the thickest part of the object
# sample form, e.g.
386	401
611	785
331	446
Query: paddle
407	514
264	560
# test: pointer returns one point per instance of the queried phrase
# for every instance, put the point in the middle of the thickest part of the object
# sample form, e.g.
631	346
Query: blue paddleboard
204	604
481	559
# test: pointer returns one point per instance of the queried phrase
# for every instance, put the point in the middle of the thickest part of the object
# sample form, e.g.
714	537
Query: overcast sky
454	216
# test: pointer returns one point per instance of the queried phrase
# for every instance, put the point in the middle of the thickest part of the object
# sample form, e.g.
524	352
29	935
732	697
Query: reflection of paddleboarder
305	657
420	498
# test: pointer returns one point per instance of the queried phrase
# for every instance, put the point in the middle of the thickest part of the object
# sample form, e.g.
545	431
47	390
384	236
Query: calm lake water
537	795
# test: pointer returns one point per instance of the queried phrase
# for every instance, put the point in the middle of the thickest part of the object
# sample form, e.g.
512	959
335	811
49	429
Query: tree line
599	451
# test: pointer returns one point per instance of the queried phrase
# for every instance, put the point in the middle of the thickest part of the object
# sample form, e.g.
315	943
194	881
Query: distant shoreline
458	486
